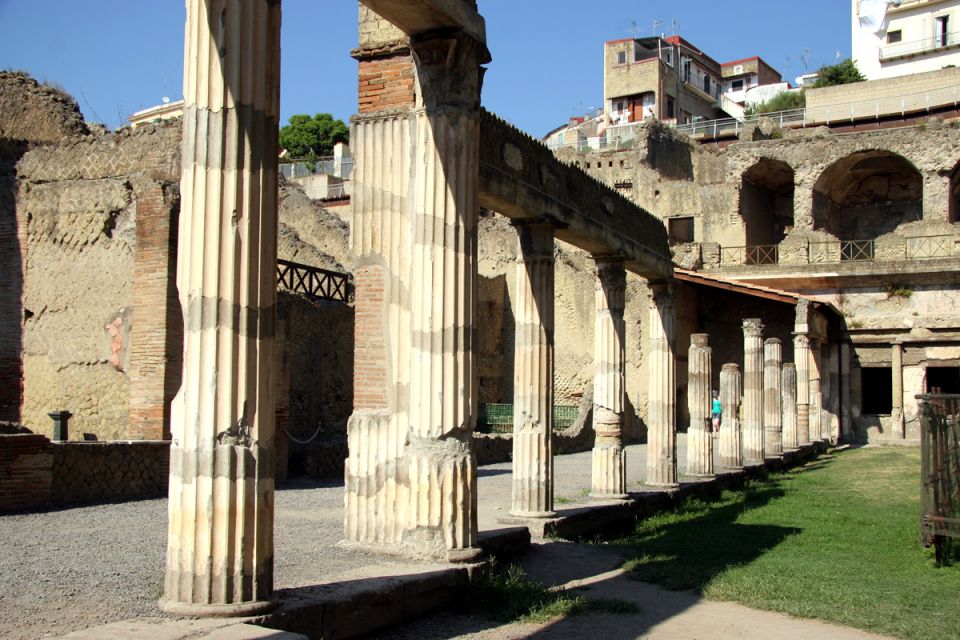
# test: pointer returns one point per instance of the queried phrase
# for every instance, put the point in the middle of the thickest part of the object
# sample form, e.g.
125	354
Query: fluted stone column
753	447
533	372
788	387
816	392
896	370
846	405
661	388
443	298
731	391
801	354
699	433
772	400
220	536
609	458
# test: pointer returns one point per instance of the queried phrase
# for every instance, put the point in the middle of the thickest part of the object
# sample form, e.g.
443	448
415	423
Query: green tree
841	73
783	101
307	137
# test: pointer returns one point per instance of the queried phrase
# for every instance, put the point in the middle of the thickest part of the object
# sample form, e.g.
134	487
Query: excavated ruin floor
65	570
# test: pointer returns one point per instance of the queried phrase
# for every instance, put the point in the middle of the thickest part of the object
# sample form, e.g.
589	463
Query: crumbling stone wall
35	112
91	315
30	114
76	211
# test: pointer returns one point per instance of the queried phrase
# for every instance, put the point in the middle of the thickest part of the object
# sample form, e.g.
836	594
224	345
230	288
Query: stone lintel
416	17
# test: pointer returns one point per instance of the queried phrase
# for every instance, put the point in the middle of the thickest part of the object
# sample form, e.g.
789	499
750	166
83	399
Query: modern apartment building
892	39
739	76
666	78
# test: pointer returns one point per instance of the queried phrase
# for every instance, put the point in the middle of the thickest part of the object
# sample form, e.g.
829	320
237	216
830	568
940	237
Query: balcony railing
753	255
918	47
314	282
838	251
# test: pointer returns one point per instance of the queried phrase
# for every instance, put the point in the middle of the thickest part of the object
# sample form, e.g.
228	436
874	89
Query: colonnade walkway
106	563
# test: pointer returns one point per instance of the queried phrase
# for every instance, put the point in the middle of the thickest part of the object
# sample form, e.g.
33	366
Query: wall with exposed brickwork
26	471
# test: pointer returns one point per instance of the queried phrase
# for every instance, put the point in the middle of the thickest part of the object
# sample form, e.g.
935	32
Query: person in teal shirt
715	411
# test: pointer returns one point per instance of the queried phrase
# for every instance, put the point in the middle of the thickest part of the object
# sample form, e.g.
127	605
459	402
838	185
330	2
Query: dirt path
665	615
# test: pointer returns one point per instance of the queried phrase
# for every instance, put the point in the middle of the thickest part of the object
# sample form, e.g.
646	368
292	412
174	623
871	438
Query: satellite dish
165	100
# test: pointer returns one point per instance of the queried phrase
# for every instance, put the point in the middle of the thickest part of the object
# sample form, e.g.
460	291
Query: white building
899	37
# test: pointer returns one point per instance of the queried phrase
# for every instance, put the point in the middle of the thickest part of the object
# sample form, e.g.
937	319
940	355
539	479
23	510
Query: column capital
773	341
611	275
448	68
731	367
660	293
535	242
752	327
700	340
801	340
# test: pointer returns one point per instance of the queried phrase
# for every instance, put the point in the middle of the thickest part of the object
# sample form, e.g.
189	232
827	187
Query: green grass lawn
836	540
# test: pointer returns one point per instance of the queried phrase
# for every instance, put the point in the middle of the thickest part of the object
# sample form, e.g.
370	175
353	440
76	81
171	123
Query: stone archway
867	194
766	201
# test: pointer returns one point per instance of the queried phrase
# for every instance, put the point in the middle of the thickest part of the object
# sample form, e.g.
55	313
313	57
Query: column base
702	476
608	496
665	485
238	610
532	514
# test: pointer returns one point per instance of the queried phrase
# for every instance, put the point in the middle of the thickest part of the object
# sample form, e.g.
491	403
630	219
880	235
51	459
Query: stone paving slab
162	629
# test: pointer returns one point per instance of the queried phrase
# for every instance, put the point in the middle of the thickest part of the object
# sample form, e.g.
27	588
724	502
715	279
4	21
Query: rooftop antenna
635	29
656	23
674	27
805	59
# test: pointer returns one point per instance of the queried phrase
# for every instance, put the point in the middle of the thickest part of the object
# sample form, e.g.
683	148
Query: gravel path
74	568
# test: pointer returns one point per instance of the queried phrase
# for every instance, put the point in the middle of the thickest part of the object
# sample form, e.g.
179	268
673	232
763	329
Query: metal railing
834	251
752	255
841	251
321	166
939	469
497	417
917	47
314	282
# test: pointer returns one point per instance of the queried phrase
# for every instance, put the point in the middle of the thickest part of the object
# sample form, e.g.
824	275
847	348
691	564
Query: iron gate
940	470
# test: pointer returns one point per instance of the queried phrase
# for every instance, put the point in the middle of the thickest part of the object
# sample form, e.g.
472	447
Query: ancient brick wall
156	351
26	471
11	284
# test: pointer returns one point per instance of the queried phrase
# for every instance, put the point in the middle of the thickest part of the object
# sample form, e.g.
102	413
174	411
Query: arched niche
866	195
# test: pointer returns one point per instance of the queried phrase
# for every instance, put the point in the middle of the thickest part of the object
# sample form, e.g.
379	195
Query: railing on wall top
314	282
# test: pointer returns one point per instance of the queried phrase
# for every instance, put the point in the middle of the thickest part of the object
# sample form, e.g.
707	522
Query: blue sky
119	56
